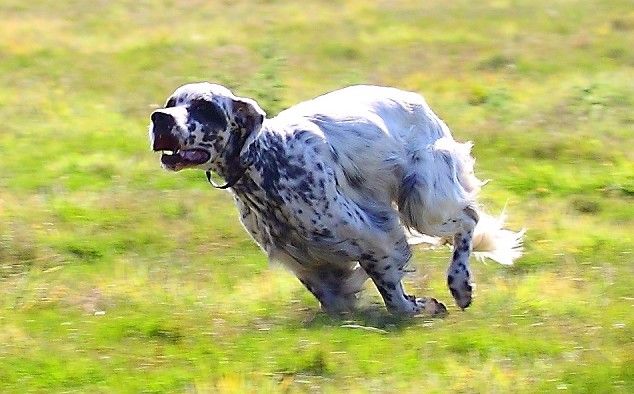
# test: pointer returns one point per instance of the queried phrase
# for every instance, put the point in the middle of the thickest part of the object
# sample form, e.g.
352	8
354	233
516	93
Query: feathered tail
490	240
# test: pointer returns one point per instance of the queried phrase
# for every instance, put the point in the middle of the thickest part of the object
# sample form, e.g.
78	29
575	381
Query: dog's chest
272	214
295	220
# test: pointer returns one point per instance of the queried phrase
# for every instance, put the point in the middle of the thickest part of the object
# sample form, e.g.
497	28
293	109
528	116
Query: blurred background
118	276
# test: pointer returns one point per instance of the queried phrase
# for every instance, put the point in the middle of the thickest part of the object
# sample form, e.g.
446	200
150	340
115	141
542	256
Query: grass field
116	276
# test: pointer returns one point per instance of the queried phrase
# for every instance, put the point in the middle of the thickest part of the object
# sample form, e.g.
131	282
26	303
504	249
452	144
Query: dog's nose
162	122
163	138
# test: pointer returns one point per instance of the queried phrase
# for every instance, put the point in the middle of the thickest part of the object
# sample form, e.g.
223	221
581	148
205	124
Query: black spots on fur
456	254
294	172
249	187
454	293
171	102
390	285
268	165
472	213
466	286
209	114
450	279
300	134
216	140
410	298
279	171
367	256
378	219
387	267
209	137
464	245
386	296
322	233
251	155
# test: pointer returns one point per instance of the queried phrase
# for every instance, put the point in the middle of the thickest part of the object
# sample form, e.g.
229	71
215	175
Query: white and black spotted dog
332	186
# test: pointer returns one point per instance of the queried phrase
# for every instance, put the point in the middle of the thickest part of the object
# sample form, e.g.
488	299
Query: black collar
230	182
238	162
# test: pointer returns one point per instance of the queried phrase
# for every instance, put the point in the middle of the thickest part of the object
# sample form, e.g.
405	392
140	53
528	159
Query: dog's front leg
386	271
336	287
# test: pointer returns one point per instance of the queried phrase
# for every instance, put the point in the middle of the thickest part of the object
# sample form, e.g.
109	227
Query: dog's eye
208	112
170	103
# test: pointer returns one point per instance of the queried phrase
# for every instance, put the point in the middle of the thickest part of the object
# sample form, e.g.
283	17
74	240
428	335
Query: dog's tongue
184	158
195	156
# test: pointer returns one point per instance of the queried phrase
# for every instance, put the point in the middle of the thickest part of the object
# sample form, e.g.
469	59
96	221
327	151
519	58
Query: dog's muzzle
175	157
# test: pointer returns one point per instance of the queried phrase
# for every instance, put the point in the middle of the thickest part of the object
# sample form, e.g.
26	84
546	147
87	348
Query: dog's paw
461	291
432	307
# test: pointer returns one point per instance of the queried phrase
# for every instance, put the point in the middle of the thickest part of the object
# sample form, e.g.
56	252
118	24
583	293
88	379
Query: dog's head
203	126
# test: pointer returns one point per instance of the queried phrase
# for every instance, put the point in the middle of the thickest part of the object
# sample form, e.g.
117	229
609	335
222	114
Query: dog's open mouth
179	159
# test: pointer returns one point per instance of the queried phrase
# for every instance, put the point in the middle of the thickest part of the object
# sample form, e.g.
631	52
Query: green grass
118	276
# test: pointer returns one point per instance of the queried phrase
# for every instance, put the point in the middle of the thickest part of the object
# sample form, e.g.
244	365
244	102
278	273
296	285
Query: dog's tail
491	240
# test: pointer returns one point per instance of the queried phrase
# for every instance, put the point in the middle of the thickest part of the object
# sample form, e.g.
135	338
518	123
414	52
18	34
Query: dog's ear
248	115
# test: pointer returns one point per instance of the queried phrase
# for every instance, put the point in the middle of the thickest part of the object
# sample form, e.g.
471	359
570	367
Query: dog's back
391	143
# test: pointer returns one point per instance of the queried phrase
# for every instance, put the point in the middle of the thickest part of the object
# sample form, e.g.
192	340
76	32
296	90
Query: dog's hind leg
458	275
